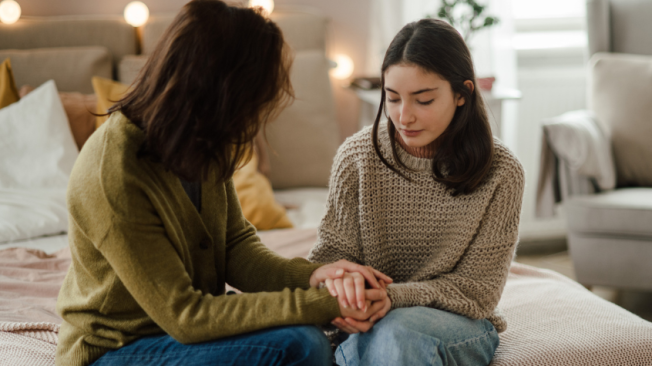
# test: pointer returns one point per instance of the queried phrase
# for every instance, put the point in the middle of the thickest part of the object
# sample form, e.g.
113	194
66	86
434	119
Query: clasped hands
360	305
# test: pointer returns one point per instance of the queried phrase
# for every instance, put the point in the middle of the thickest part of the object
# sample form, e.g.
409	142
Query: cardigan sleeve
253	267
150	269
473	288
339	234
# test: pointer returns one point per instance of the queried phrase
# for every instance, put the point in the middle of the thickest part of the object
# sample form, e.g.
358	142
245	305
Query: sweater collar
411	161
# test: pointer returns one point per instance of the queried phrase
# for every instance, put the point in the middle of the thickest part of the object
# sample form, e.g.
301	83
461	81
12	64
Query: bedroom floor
555	256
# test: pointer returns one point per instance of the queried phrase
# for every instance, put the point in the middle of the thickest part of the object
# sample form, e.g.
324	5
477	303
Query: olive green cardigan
144	261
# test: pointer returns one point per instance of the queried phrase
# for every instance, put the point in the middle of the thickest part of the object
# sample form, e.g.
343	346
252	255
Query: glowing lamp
267	5
9	11
136	13
344	67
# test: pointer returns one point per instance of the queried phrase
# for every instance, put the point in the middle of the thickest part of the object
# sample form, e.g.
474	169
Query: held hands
360	307
376	307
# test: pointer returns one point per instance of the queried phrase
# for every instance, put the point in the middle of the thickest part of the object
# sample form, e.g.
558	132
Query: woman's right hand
376	310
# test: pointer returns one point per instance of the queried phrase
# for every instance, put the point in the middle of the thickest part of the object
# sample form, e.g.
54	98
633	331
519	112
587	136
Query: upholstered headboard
66	49
304	138
302	141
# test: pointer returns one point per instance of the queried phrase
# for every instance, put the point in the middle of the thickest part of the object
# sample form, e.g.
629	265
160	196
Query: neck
427	152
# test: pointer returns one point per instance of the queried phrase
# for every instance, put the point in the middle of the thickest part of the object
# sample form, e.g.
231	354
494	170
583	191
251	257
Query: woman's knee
307	345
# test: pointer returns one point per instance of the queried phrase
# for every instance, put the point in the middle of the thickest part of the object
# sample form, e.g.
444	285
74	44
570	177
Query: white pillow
32	213
37	152
37	149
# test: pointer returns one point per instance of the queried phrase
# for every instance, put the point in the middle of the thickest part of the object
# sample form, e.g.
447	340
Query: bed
552	320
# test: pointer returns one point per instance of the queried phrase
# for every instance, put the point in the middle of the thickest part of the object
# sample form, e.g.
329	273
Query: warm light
9	11
344	67
136	13
267	5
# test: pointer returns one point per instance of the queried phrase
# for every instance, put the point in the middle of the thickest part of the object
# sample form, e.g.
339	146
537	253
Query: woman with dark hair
156	229
430	198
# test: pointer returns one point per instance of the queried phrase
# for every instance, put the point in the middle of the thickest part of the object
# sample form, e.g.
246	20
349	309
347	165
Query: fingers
381	276
363	270
331	287
359	284
344	326
376	294
360	326
380	313
341	294
349	290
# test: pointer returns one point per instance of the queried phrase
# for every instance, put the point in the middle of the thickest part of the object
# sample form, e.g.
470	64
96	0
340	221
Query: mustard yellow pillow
257	199
108	92
8	90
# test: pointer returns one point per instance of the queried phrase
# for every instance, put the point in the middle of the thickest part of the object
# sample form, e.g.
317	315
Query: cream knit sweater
445	252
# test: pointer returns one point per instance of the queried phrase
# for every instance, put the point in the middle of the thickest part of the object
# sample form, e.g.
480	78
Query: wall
348	34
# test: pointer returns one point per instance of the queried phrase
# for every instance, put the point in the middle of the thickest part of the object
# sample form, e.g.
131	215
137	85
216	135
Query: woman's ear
460	99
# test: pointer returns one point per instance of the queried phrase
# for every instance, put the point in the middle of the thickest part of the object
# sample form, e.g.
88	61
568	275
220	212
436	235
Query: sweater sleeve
339	234
473	288
253	267
147	264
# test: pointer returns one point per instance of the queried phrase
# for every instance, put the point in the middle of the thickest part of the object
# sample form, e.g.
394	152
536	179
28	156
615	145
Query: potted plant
468	17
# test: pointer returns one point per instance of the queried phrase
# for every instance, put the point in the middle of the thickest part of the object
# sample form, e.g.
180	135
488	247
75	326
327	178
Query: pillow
257	199
79	109
70	67
108	92
621	97
37	149
8	92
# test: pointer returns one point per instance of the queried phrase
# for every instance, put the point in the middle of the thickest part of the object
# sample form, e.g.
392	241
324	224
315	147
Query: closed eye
426	103
392	100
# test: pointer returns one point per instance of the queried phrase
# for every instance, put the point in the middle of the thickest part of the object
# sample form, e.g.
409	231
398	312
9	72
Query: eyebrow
413	93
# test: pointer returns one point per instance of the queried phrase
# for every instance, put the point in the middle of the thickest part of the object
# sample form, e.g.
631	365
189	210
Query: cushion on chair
622	100
626	211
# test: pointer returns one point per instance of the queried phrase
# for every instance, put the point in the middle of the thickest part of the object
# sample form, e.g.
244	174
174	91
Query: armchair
608	203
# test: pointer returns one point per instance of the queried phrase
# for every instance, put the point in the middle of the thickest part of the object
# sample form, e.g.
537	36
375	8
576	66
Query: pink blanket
552	320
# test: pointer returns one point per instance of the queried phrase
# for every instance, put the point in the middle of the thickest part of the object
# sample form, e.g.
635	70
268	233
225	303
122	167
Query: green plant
466	16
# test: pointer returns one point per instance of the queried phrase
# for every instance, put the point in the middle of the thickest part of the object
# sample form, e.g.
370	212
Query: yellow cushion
8	90
108	92
257	199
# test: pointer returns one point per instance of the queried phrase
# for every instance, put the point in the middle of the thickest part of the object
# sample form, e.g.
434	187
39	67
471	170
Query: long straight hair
465	149
217	75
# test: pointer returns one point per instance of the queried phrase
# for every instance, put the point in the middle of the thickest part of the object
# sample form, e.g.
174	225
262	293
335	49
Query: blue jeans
421	336
290	345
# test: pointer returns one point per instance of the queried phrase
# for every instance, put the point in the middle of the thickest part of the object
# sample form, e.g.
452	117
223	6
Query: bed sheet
552	320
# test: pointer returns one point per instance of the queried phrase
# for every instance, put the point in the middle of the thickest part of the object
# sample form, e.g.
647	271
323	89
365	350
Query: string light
136	13
9	11
344	68
267	5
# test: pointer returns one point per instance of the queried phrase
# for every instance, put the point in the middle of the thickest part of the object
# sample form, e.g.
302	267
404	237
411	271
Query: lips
411	133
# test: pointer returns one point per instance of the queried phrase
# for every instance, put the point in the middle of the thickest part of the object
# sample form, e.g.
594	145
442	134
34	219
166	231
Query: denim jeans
290	345
421	336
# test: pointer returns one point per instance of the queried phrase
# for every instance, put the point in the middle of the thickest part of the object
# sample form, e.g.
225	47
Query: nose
406	116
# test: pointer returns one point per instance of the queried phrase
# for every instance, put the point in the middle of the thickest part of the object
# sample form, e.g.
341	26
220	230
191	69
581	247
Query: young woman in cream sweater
431	199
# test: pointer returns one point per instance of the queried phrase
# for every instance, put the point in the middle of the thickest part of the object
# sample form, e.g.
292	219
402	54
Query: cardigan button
204	244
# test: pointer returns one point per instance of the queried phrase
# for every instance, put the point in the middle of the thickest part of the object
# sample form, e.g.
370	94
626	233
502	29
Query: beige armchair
608	197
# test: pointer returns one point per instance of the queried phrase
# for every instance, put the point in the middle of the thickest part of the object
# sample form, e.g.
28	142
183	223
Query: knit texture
445	252
144	261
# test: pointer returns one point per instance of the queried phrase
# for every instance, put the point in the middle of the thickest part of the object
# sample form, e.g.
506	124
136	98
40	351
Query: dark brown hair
465	149
217	75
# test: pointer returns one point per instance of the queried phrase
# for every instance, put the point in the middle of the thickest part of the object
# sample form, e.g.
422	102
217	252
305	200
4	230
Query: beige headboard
302	141
66	49
304	138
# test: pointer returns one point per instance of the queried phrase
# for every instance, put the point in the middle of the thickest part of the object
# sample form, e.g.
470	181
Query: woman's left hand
337	270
